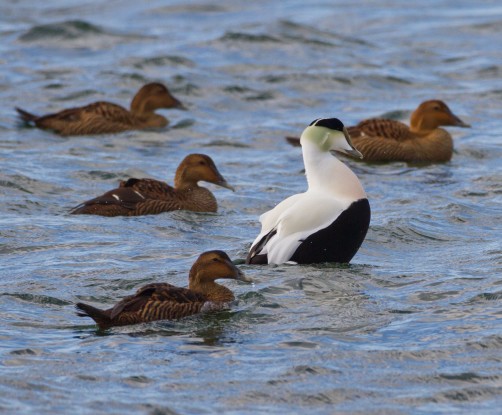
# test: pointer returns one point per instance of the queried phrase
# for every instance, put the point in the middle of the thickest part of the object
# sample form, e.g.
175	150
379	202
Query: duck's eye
202	163
215	259
436	108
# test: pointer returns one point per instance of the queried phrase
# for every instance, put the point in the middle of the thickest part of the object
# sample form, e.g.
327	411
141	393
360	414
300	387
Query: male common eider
329	221
105	117
162	301
380	139
136	197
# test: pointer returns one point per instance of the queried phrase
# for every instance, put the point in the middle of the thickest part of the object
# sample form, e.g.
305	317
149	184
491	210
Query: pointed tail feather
101	317
26	116
79	209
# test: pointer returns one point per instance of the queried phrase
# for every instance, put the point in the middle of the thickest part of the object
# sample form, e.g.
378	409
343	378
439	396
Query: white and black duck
329	221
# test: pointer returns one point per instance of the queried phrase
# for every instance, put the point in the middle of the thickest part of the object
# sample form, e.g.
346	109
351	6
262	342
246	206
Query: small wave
248	37
415	231
395	115
261	96
25	352
226	143
250	94
488	27
496	296
77	95
28	185
237	89
73	33
467	395
13	185
38	299
487	343
99	175
293	33
468	377
167	60
186	123
381	81
189	8
300	32
72	29
428	230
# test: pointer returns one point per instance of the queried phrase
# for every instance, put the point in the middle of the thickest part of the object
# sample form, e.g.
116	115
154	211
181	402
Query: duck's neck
328	174
420	130
421	125
214	292
181	183
145	114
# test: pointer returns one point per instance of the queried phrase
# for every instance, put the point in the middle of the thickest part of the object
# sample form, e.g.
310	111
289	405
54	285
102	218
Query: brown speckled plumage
105	117
148	196
380	139
162	301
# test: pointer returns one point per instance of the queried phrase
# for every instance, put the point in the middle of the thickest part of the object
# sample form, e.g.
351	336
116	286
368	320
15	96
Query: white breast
333	187
295	219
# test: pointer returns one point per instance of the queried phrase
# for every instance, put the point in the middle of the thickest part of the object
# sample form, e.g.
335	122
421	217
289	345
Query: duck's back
157	301
136	197
123	201
381	127
98	118
389	140
150	188
162	198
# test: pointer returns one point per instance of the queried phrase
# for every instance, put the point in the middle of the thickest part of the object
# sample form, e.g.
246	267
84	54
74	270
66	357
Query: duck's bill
351	151
242	277
223	183
460	123
181	106
349	148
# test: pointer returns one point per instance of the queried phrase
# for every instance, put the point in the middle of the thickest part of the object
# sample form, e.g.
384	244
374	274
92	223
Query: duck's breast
311	212
340	240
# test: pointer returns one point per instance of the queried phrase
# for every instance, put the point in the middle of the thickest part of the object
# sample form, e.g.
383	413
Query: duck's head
153	96
432	114
329	134
213	265
198	167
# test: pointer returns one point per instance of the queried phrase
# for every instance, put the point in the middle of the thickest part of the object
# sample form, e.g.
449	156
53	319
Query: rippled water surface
413	325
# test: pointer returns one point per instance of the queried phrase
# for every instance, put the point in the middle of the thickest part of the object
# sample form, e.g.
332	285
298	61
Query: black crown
331	123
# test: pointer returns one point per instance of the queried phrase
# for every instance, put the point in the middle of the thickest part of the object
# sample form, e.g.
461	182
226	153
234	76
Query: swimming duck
163	301
380	139
105	117
136	197
328	222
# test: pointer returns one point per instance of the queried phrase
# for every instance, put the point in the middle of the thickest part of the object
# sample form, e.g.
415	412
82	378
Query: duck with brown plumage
163	301
381	139
136	197
104	117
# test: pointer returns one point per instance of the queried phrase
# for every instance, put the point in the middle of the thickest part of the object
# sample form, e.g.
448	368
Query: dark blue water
413	325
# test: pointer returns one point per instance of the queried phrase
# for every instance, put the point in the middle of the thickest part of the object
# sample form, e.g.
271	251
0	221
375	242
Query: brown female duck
136	197
380	139
105	117
162	301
